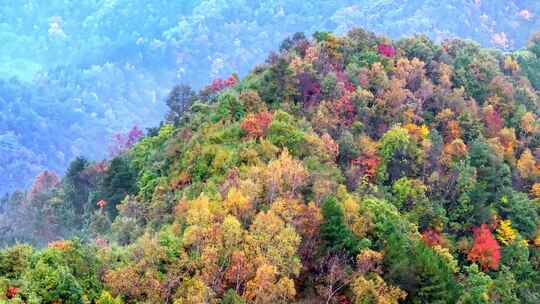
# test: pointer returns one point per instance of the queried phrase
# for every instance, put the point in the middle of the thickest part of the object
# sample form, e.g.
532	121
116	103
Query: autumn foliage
433	238
11	292
122	142
343	170
386	50
485	250
255	125
61	245
367	166
101	204
220	84
43	182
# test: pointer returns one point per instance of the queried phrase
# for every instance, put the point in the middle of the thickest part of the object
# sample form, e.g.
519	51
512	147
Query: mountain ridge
90	61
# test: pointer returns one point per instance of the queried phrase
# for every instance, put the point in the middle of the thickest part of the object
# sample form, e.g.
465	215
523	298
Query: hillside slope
350	169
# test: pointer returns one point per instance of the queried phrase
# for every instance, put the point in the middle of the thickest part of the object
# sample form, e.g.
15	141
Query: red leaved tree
43	182
387	50
345	110
367	165
220	84
255	125
11	292
122	142
485	251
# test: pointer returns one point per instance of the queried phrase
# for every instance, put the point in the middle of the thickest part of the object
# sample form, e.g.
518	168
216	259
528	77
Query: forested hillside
345	169
88	69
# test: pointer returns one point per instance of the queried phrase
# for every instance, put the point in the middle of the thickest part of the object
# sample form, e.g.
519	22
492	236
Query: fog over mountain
74	73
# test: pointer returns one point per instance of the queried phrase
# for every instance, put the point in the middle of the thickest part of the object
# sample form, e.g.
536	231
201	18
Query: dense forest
344	169
75	73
